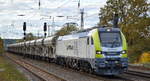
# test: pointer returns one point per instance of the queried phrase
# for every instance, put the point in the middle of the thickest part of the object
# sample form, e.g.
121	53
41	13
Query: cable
91	15
67	1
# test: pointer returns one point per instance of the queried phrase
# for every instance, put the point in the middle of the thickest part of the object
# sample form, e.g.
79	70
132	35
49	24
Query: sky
14	12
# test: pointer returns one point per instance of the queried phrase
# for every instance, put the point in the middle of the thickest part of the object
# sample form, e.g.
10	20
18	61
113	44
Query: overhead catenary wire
60	6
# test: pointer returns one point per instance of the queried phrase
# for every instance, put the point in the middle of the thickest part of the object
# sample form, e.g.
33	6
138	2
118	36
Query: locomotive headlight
98	52
123	52
108	30
106	62
116	62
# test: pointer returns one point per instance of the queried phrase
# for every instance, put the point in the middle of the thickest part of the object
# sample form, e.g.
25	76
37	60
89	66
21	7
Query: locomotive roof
85	33
74	36
112	29
100	28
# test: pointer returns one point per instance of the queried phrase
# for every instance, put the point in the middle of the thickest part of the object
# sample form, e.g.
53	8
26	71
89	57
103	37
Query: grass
8	72
147	65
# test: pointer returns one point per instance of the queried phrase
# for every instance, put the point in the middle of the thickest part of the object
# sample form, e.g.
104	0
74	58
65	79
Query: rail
38	72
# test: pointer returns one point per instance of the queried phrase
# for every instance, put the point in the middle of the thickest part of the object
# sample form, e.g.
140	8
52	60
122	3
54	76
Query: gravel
72	75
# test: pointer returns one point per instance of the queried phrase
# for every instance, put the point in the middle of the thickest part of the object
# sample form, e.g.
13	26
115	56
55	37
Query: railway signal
79	4
82	18
39	4
24	29
45	29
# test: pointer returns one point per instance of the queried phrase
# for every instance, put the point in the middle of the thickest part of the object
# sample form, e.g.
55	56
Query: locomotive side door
90	48
76	50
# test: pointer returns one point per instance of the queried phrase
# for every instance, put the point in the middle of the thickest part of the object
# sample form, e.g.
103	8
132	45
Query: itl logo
69	47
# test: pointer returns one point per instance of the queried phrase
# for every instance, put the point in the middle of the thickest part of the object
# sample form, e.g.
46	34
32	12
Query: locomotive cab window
92	41
110	39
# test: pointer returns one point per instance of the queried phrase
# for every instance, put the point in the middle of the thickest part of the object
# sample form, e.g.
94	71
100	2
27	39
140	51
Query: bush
135	51
1	46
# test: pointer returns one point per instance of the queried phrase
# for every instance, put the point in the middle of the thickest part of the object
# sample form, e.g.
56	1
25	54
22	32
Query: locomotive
102	50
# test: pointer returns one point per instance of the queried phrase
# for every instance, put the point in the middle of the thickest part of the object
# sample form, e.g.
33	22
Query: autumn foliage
134	21
1	45
144	58
66	30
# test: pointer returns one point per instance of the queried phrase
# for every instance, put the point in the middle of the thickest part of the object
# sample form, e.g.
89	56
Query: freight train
99	50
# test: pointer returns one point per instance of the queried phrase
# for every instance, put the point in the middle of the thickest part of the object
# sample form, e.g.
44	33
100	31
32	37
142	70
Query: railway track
38	72
94	76
136	73
73	75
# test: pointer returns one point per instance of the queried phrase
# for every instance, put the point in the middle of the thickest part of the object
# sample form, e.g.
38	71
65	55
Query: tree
133	21
1	46
133	15
67	29
128	10
28	37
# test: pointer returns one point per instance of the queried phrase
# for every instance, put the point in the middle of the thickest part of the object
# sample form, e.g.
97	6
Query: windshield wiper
114	42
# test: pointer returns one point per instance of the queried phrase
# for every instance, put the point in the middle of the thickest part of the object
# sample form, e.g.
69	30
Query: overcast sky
14	12
11	21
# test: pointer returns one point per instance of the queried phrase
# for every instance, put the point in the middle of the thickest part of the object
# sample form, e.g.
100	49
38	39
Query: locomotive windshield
110	39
